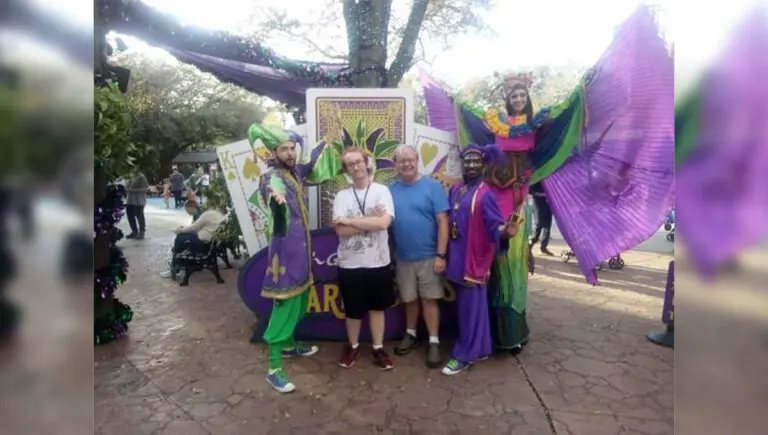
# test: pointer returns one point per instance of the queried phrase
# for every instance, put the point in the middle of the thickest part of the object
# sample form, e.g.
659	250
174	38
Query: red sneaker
349	356
381	359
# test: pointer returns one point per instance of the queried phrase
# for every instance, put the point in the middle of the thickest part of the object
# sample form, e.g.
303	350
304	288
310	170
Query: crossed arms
351	226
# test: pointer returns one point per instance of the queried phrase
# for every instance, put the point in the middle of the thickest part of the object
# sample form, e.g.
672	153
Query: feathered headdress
523	78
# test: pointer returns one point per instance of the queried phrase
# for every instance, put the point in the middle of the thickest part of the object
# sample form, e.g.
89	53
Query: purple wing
615	193
722	198
441	113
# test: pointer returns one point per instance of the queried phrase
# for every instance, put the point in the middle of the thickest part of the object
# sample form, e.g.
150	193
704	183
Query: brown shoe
381	359
349	356
408	343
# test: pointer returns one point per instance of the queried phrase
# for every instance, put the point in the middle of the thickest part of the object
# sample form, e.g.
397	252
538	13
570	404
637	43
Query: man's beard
288	163
472	174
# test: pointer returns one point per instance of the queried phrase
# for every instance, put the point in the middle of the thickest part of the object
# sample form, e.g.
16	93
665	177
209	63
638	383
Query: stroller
669	226
614	263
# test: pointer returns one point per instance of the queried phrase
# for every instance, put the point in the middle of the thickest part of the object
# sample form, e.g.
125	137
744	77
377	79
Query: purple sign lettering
325	311
668	315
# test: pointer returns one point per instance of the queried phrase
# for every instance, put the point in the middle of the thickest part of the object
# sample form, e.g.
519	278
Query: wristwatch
440	256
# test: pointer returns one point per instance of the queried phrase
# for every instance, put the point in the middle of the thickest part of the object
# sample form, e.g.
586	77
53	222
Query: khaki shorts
417	279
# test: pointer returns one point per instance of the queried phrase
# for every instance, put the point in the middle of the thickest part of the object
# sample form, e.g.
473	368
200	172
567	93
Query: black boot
545	243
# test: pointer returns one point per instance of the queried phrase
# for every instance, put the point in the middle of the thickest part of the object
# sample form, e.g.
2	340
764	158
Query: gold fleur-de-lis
275	269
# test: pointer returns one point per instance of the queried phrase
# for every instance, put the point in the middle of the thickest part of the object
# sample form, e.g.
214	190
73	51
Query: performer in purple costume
476	230
289	274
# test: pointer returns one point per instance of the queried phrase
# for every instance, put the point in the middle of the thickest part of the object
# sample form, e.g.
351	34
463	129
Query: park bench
195	257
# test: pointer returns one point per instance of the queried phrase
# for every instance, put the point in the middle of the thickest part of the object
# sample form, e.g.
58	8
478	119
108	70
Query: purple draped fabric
231	58
616	190
722	187
269	82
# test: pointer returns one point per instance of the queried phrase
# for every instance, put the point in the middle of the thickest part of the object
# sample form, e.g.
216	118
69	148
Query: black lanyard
361	205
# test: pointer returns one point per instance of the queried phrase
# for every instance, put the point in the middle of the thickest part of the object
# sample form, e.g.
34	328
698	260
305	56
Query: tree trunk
367	29
367	49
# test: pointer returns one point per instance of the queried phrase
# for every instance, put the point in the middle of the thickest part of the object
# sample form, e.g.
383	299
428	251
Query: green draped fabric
326	168
687	118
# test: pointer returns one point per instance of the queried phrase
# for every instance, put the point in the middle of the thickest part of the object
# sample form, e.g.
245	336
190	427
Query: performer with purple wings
605	157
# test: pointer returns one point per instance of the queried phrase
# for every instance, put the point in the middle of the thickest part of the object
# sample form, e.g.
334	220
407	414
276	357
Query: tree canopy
381	39
177	108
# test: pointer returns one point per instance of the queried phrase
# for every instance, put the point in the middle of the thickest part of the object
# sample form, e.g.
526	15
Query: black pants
182	239
177	198
135	215
543	221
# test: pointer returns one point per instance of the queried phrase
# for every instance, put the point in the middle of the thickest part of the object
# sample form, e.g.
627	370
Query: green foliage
373	141
43	120
217	198
114	151
176	108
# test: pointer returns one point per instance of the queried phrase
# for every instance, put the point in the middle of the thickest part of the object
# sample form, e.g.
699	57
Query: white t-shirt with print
369	250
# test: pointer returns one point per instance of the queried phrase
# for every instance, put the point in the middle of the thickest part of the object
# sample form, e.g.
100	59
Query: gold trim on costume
271	292
474	281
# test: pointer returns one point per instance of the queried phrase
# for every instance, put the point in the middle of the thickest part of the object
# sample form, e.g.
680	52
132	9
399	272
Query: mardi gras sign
325	311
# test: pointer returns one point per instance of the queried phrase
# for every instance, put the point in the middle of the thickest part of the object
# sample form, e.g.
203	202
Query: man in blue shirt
421	238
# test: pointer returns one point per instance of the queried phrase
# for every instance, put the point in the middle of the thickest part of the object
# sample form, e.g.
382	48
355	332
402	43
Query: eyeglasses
356	163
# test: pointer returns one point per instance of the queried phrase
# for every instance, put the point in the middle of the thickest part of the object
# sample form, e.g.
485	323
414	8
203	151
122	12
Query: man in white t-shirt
361	215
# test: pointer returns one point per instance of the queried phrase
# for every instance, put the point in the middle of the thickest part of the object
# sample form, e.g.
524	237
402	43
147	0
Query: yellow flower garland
495	124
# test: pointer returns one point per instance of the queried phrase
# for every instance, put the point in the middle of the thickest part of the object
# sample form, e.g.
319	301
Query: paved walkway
187	367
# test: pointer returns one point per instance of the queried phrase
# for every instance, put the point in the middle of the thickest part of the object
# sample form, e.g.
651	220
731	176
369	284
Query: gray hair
404	148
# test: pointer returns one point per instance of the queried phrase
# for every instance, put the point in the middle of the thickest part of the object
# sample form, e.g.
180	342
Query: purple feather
373	138
384	164
441	112
493	154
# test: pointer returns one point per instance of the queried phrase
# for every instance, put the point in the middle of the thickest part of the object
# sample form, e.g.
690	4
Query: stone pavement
187	367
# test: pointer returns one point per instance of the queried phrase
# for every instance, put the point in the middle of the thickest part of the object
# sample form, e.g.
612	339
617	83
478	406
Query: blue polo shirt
416	207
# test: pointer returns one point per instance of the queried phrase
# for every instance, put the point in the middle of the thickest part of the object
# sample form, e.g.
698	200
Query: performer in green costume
289	272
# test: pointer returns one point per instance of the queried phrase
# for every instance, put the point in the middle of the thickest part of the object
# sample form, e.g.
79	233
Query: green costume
289	273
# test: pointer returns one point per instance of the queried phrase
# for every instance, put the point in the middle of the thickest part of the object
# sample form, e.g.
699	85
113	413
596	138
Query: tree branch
404	58
324	51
